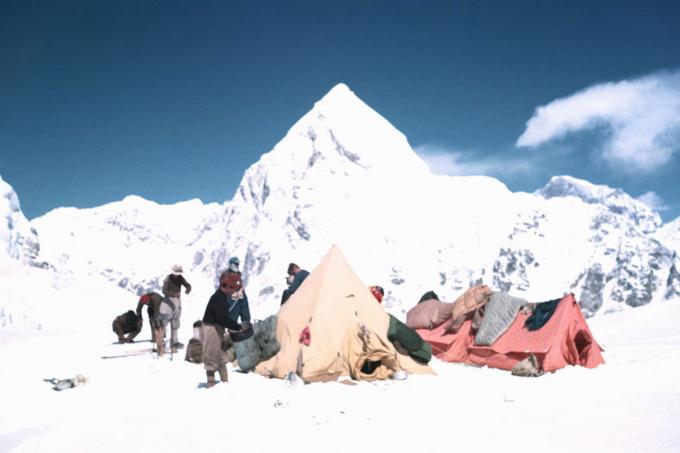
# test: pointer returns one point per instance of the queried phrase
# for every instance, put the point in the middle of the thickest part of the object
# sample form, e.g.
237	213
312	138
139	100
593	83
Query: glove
187	291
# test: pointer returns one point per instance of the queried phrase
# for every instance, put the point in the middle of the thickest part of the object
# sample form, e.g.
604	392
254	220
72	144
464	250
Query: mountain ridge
343	174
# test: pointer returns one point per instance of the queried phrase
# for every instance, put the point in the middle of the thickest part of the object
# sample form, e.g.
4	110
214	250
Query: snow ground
140	403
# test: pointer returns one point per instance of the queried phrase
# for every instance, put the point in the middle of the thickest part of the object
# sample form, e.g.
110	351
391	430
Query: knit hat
177	269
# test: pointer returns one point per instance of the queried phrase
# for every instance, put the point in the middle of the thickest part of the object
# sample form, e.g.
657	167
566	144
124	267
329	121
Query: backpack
194	352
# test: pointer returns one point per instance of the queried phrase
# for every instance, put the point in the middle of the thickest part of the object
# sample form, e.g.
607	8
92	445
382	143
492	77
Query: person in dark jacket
239	308
127	324
172	288
216	320
295	278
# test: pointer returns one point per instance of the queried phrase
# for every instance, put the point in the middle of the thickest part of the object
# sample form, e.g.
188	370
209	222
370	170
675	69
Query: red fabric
564	340
376	293
305	336
144	299
233	281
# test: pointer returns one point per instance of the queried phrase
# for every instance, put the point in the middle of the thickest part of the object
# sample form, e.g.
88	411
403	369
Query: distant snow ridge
18	240
604	246
670	234
132	243
343	174
616	200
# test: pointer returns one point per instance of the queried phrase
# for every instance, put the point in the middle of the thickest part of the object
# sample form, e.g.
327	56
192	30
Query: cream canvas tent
332	326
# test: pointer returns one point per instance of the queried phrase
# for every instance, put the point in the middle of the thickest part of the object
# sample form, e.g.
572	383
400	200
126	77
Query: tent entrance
370	366
582	343
378	365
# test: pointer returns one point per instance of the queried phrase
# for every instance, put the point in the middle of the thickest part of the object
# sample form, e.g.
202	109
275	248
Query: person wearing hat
172	288
237	299
217	320
294	279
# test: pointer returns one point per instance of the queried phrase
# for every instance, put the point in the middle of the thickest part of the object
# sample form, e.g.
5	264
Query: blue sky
174	100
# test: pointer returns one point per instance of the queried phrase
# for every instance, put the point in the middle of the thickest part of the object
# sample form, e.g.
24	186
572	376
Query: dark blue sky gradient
174	100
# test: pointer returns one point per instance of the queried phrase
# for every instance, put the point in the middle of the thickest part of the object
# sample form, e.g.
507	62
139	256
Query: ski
129	354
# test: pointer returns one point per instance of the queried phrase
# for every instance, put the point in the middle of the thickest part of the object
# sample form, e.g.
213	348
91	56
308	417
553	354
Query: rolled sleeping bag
245	347
265	337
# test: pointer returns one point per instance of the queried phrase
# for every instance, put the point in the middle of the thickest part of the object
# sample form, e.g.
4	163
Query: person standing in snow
216	320
294	279
172	288
239	309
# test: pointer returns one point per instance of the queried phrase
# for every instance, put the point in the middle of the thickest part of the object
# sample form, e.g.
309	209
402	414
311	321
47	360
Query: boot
211	378
223	373
174	342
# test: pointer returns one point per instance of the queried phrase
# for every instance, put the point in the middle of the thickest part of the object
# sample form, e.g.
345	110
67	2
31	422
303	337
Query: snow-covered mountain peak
616	200
341	131
17	239
343	174
563	186
9	197
340	94
136	200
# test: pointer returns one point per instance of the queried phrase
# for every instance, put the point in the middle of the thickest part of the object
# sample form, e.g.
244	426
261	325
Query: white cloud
653	201
641	116
442	160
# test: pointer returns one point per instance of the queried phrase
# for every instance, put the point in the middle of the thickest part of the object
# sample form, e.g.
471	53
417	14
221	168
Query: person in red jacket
236	294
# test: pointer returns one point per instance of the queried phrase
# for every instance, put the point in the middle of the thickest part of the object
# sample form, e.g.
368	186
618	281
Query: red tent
564	340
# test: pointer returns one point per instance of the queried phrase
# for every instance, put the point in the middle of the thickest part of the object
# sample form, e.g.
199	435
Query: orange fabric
470	300
429	314
349	329
564	340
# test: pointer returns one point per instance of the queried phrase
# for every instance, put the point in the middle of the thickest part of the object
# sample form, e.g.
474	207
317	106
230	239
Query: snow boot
211	378
223	373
